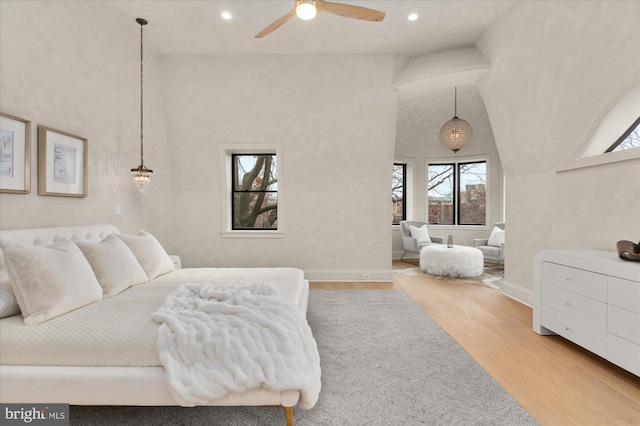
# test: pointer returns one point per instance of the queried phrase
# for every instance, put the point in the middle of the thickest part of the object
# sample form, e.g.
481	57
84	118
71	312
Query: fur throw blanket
215	339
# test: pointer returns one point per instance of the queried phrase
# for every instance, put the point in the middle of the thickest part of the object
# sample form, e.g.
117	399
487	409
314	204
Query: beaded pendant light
141	175
456	133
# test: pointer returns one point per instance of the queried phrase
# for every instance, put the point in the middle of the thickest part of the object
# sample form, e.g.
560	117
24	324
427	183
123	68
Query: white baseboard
517	293
349	275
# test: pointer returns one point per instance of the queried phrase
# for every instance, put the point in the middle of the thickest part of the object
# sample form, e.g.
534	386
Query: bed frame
138	386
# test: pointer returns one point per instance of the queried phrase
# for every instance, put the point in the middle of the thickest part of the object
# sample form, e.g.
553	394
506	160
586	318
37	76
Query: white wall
334	116
420	117
554	65
74	67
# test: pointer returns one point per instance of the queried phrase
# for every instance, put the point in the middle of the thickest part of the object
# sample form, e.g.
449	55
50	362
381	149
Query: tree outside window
440	190
629	139
472	209
255	192
398	193
456	193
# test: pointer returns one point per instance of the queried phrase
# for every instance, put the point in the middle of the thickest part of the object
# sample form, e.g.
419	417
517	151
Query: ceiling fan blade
348	11
276	24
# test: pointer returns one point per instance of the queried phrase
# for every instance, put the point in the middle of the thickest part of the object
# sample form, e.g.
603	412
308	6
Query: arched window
614	134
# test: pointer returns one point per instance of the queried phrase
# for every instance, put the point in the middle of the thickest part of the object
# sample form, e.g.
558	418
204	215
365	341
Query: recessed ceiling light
226	15
412	17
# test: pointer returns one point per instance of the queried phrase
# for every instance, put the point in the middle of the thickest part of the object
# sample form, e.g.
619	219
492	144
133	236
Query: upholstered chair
411	244
492	248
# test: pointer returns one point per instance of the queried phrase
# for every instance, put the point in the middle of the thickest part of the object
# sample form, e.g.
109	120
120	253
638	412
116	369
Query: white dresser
592	298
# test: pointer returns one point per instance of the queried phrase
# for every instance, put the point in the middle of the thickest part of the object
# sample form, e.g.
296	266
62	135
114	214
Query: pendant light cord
141	99
455	103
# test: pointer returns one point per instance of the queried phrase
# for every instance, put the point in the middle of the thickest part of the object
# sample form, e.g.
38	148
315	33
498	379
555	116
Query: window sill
597	160
252	234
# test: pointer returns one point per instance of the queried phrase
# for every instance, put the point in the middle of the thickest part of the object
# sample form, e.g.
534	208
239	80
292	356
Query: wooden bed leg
289	412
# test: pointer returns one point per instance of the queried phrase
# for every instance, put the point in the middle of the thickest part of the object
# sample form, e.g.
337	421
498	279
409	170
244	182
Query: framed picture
62	163
15	154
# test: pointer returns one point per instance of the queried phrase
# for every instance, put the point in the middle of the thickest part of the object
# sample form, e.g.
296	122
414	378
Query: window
473	197
254	193
456	193
398	193
613	120
629	139
440	189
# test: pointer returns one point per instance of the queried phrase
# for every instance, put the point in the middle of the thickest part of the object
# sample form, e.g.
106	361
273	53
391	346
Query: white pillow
49	281
114	264
497	237
149	252
8	303
421	234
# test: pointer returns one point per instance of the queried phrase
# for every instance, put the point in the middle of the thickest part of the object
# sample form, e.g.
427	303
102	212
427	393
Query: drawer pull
568	279
567	328
568	304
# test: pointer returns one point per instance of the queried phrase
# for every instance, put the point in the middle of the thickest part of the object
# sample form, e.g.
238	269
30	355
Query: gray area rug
384	362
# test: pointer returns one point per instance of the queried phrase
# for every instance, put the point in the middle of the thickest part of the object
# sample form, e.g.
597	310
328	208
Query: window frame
404	191
409	186
234	191
454	195
458	197
226	152
456	163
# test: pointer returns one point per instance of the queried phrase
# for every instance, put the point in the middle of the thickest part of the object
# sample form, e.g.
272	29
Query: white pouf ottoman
457	261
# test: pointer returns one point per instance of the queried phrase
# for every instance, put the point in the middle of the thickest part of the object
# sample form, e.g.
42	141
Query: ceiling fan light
306	9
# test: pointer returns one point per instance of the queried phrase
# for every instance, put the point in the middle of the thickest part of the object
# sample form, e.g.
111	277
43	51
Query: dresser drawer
623	323
589	336
575	280
623	353
624	294
574	305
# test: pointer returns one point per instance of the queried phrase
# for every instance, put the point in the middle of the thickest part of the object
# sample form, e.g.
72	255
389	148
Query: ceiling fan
306	9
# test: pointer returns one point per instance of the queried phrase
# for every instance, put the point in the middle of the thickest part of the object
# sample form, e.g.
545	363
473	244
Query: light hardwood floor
557	382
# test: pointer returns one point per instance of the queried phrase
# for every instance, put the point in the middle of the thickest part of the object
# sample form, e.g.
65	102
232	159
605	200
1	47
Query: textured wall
75	67
420	117
554	65
334	116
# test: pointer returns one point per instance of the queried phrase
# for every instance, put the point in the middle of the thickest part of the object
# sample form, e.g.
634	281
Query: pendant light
456	133
141	175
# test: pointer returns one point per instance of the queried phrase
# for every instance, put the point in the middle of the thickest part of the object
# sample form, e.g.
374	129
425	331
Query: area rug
491	277
385	362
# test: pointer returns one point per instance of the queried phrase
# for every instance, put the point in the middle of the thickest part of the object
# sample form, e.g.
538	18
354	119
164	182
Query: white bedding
119	331
214	340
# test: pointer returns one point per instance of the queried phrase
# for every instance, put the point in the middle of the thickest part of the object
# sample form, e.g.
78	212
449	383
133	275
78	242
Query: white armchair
492	248
411	244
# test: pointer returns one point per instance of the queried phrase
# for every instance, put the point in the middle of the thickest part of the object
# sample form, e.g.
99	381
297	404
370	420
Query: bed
84	358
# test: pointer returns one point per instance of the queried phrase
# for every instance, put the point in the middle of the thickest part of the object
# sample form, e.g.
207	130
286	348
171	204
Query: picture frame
15	154
62	163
